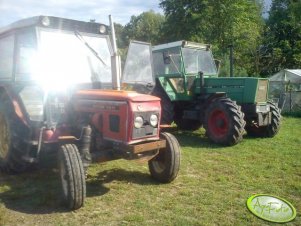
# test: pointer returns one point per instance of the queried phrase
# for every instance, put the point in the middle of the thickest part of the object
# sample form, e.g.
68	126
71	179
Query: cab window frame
21	75
8	58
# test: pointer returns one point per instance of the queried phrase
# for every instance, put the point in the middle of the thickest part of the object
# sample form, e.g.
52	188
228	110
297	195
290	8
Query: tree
144	27
219	22
120	37
282	43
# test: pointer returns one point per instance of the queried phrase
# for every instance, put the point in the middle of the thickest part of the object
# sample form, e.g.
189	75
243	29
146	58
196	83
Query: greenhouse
285	89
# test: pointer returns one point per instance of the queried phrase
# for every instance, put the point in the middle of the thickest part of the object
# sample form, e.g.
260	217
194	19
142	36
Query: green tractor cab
193	95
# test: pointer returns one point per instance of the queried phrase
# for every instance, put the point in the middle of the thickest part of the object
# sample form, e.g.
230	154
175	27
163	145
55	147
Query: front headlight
45	21
102	29
138	123
262	108
153	120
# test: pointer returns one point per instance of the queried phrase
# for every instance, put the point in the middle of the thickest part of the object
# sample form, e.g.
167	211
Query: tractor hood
114	113
114	95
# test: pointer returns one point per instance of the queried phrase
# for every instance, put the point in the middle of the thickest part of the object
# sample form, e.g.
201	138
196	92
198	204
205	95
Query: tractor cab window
6	57
138	66
66	59
59	59
138	71
167	62
26	50
196	60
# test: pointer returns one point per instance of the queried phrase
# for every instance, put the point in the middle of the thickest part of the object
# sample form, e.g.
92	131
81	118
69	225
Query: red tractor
56	97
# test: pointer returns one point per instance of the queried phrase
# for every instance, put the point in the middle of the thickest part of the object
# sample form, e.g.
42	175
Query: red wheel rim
218	123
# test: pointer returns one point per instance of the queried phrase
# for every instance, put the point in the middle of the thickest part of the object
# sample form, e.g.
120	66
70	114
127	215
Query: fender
211	97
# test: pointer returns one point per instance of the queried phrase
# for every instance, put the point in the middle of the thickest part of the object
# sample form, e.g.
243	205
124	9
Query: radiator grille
146	130
262	90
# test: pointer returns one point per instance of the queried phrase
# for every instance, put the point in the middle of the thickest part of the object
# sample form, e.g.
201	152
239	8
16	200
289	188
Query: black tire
12	145
72	176
224	121
266	131
165	166
167	106
186	124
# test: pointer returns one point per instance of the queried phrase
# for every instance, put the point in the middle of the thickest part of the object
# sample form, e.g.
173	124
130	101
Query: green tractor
192	95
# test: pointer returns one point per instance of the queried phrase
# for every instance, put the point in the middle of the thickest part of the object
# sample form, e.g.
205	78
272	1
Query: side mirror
218	64
166	58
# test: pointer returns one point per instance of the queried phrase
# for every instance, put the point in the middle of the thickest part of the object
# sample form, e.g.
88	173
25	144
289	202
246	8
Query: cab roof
55	23
182	43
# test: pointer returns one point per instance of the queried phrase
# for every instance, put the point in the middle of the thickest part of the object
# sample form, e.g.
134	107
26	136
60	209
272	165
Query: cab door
138	70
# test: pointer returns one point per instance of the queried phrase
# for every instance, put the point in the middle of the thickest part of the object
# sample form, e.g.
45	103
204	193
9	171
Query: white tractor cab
49	54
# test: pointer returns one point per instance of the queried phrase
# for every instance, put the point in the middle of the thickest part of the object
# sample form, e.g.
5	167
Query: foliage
221	23
282	41
225	68
120	37
261	47
144	27
122	42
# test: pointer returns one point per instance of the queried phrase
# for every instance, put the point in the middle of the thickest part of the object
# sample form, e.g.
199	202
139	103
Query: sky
121	10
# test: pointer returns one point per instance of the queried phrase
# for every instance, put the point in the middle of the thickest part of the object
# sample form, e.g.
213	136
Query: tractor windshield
138	72
167	62
138	66
196	60
62	59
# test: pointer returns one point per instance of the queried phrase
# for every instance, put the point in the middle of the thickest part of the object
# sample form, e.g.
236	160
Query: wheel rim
4	137
159	162
218	123
63	175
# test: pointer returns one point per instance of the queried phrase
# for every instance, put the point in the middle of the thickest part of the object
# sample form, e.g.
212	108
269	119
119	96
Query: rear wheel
12	148
224	122
165	166
266	131
72	176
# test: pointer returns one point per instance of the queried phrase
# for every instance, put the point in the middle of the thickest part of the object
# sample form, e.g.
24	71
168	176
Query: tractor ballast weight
193	95
56	98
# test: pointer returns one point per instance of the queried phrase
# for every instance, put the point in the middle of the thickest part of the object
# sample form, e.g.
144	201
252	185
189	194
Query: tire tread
236	118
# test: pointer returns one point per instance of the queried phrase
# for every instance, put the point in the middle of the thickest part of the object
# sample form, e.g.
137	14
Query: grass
211	189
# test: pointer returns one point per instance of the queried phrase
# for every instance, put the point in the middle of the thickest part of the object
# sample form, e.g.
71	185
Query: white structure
285	87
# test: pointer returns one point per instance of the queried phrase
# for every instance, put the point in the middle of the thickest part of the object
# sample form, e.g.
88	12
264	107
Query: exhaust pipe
115	59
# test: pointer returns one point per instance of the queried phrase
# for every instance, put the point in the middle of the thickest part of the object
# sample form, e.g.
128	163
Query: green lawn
211	189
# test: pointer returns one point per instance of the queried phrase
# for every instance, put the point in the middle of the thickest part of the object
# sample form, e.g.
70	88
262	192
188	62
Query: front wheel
165	166
72	176
266	131
224	122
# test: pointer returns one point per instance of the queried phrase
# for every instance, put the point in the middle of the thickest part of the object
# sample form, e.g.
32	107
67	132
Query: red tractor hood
114	95
113	113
